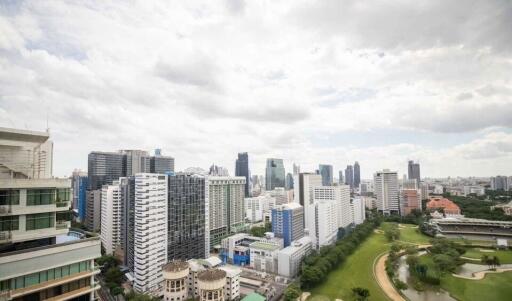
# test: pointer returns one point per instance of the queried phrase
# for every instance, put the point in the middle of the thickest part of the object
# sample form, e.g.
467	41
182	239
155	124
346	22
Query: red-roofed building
449	207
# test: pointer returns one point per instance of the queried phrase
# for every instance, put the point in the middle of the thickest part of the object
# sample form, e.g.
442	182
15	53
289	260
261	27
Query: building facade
150	232
289	259
326	173
189	225
242	170
274	174
349	176
227	208
386	191
340	195
111	210
288	222
357	175
413	171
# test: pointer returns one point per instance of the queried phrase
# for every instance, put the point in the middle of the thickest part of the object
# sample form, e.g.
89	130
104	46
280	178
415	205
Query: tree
392	232
133	296
444	262
362	294
292	292
106	262
114	277
412	261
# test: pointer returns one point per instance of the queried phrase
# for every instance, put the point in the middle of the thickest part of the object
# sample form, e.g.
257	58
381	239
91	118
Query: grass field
504	256
495	287
411	234
356	271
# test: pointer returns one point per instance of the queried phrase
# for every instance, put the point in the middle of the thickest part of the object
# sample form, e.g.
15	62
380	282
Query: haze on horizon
311	82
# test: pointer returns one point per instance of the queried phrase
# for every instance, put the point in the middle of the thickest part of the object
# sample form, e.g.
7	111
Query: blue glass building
82	193
288	222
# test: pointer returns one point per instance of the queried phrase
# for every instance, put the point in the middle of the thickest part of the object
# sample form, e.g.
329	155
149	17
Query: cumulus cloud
205	80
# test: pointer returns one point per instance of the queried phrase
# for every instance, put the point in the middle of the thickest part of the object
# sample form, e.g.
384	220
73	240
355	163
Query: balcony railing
62	204
4	236
61	225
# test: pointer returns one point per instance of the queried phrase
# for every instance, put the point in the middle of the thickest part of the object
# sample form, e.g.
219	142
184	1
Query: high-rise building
410	199
358	209
288	222
325	231
227	212
103	169
111	202
41	258
274	174
340	195
349	176
79	182
296	169
242	170
386	190
218	171
127	189
326	173
289	181
413	171
303	195
340	179
357	175
500	183
161	164
135	161
150	232
189	217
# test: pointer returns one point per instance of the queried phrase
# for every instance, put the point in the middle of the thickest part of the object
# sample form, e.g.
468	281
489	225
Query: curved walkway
380	275
481	275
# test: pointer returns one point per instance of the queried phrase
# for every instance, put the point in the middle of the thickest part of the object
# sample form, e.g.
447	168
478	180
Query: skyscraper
357	175
242	170
500	183
413	170
326	173
189	217
161	164
150	232
289	181
288	222
227	210
386	190
111	202
341	196
79	181
135	161
41	258
296	169
274	174
340	180
349	176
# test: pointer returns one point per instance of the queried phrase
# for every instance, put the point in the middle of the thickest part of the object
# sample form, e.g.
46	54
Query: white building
304	184
290	258
386	190
150	237
232	286
111	217
280	195
259	208
226	206
264	256
341	196
326	224
438	189
357	207
478	190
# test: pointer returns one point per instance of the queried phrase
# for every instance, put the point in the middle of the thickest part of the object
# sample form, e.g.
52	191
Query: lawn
356	271
411	234
504	256
495	287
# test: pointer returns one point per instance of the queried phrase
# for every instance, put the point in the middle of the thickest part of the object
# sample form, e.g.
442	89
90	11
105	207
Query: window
40	221
9	223
64	216
63	194
9	197
40	197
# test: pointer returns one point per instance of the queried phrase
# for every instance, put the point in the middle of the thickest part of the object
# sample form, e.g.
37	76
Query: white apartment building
290	258
226	206
304	184
326	224
111	207
150	233
478	190
358	209
386	191
258	209
341	196
40	258
280	195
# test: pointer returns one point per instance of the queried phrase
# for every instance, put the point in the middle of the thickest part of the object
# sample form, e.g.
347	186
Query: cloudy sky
311	82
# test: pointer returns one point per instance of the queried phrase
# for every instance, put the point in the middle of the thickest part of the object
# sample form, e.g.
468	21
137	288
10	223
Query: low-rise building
263	256
449	208
290	258
235	249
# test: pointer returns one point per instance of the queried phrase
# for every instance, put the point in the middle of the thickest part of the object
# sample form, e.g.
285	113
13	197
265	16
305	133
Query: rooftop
263	246
211	275
296	245
175	266
254	297
23	135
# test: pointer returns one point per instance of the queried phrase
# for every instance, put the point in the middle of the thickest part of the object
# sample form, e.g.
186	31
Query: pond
412	294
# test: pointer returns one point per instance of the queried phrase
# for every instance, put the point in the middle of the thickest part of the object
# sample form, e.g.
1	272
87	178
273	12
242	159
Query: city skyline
332	82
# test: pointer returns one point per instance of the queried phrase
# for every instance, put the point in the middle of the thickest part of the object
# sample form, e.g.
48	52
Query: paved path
379	272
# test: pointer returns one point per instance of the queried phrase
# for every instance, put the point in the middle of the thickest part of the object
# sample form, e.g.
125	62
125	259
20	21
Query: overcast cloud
311	82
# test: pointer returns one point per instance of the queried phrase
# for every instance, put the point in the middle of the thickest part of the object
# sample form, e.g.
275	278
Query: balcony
62	204
61	225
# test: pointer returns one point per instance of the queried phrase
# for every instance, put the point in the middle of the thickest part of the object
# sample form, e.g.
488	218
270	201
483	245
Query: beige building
175	275
211	285
40	258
